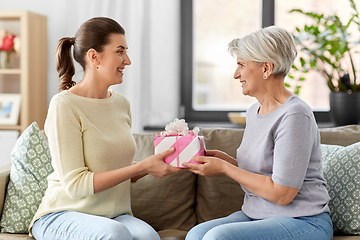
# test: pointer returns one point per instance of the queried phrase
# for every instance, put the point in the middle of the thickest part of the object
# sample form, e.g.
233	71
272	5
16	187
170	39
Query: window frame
186	96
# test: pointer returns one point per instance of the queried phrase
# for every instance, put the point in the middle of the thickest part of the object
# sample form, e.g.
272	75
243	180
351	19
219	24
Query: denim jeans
239	226
75	225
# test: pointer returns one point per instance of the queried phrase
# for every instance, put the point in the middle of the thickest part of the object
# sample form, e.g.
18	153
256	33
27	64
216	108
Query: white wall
152	27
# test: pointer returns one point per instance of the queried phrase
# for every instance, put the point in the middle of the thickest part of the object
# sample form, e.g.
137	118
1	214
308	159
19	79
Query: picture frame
9	108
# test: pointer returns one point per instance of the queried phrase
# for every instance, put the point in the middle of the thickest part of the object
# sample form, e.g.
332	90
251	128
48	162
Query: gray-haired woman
278	163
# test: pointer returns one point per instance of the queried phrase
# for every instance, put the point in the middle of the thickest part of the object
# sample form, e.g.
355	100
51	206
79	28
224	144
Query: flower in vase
8	43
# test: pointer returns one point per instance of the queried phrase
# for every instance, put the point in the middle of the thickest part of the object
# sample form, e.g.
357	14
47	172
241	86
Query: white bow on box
178	127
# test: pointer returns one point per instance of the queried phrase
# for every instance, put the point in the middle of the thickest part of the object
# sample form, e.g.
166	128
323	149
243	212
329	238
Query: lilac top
284	144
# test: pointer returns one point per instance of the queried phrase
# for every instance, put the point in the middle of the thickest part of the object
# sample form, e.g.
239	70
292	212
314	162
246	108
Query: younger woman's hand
156	166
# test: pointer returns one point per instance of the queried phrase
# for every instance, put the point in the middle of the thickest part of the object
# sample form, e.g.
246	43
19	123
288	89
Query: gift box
187	144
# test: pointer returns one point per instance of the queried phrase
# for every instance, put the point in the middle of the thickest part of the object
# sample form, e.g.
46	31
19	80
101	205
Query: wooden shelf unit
31	74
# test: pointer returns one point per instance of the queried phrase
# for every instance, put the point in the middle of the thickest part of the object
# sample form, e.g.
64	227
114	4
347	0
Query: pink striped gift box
186	147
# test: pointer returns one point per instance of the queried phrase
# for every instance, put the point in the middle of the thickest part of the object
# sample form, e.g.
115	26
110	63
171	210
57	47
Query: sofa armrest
4	180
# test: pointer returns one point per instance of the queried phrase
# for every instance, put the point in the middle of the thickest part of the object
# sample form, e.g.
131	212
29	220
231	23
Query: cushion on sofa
343	136
31	164
219	196
10	236
341	169
164	203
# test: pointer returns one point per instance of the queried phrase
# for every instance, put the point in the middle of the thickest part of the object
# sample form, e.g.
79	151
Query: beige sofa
176	203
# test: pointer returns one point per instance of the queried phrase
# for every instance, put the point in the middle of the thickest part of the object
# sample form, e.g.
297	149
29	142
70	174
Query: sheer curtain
152	28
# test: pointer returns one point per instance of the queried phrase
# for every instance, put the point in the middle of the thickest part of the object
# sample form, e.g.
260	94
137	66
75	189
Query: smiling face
113	59
250	74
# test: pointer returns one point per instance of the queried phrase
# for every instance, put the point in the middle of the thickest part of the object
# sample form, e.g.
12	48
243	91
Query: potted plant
327	46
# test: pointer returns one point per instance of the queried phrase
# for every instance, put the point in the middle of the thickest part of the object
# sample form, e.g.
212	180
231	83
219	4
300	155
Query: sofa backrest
343	136
219	196
164	203
181	200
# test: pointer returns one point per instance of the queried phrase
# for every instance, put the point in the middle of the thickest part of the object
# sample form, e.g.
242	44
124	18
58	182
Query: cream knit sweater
87	135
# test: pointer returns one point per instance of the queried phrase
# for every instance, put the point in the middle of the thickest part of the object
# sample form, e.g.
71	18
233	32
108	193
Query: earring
97	67
264	76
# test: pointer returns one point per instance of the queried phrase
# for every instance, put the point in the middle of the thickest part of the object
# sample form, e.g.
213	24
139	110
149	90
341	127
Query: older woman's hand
209	167
221	155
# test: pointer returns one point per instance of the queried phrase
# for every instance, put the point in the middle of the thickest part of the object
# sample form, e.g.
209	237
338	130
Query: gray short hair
271	44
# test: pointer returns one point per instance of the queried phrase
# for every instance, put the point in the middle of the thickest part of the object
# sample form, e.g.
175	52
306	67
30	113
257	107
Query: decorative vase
345	108
5	62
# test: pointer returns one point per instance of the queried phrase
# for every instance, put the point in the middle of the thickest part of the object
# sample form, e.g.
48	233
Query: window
213	27
314	91
209	91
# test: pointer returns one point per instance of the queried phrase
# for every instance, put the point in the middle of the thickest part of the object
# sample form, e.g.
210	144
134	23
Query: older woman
278	163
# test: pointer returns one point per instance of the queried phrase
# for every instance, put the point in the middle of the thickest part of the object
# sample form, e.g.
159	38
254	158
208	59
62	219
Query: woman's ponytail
64	63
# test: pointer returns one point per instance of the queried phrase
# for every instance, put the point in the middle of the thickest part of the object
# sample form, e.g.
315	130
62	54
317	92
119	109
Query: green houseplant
327	46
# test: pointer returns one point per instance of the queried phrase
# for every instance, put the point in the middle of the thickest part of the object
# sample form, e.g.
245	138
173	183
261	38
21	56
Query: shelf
12	15
10	71
10	127
28	75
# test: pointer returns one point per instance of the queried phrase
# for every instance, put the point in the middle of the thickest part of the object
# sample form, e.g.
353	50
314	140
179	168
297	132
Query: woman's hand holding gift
212	164
156	166
209	167
221	155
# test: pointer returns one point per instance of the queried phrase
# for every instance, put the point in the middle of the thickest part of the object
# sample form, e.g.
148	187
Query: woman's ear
268	69
93	56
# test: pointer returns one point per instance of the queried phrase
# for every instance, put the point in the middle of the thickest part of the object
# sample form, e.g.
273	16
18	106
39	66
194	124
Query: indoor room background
181	68
153	30
153	37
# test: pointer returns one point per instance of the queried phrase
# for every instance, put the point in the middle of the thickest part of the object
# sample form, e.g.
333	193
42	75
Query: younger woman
88	128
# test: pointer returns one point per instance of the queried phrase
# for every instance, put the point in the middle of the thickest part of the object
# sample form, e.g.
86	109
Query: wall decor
9	108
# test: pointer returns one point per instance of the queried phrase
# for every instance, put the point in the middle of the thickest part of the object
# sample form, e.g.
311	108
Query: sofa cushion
6	236
343	136
341	169
172	234
31	164
219	196
164	203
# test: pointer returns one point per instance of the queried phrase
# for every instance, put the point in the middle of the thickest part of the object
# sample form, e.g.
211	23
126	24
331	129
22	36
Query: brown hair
92	34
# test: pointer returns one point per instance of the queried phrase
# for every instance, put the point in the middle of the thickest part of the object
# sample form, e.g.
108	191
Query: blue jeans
75	225
239	226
